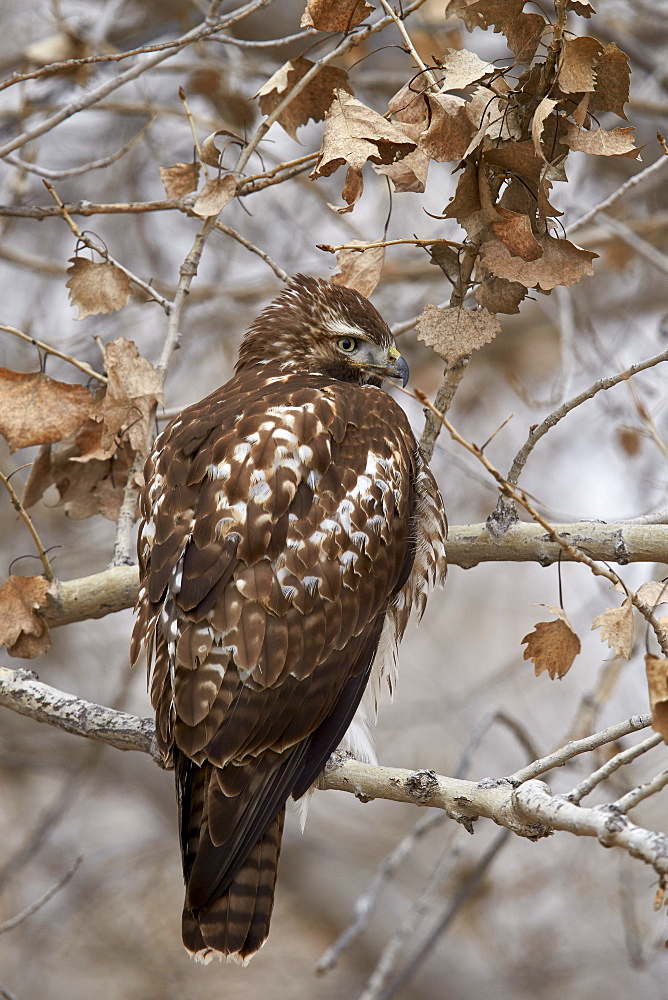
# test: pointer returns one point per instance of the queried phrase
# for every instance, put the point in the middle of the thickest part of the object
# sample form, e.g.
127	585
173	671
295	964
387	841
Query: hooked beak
399	367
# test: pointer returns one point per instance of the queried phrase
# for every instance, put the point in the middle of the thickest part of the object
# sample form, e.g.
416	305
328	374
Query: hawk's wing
278	526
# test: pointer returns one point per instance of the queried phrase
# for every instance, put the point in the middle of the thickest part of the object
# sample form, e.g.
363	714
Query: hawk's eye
347	344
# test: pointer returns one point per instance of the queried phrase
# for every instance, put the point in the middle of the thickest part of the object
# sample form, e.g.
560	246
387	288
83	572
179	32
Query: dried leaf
25	633
657	684
335	15
352	192
543	111
467	196
410	172
210	153
180	179
581	7
577	63
36	409
360	270
455	332
354	134
133	390
630	440
483	13
519	158
97	287
552	645
524	33
312	103
616	142
215	194
498	295
612	81
492	116
462	68
562	263
616	625
581	114
447	259
450	128
514	230
654	592
408	104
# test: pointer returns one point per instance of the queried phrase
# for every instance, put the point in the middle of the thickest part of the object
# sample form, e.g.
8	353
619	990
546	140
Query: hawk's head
314	327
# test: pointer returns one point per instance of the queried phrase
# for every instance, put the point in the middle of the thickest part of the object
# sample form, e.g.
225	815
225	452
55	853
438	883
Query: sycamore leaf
455	332
354	134
312	103
335	15
360	270
616	625
577	64
215	194
24	632
462	68
450	128
179	179
612	81
562	263
97	287
552	645
657	684
36	409
616	142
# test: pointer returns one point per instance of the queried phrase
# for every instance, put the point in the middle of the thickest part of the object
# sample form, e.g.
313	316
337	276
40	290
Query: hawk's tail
236	924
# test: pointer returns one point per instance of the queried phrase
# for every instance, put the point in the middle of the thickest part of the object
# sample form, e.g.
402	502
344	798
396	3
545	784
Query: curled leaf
616	625
215	194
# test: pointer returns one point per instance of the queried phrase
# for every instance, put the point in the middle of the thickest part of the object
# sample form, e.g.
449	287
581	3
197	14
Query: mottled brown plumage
289	528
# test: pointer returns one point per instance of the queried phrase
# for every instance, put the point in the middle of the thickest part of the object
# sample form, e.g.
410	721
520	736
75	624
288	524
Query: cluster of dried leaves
553	645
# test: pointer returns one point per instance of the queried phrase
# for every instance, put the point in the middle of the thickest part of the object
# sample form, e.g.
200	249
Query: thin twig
608	202
641	792
23	513
13	922
619	760
92	245
276	268
361	247
48	349
637	243
428	74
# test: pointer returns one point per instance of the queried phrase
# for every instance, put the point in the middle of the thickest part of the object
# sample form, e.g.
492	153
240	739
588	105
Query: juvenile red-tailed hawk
289	528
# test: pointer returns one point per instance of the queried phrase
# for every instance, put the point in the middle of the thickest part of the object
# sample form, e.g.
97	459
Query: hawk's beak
399	368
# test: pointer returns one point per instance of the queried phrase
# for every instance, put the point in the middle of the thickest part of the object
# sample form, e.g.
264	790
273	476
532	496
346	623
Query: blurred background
561	917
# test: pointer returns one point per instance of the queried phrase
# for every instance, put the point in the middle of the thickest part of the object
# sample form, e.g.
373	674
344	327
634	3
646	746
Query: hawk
289	527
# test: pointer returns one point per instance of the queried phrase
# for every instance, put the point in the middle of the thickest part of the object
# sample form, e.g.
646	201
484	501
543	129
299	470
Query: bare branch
612	765
81	365
13	922
608	202
25	517
23	693
276	268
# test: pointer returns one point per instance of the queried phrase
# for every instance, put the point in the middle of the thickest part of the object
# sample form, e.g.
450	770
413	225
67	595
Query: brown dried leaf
25	633
312	103
215	194
616	625
462	68
410	172
552	645
408	104
352	192
543	111
133	389
335	15
577	64
581	7
446	258
210	153
455	332
354	134
483	13
519	158
97	287
562	263
467	196
498	295
360	270
36	409
492	116
612	81
179	179
524	33
450	129
514	230
657	684
616	142
581	114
